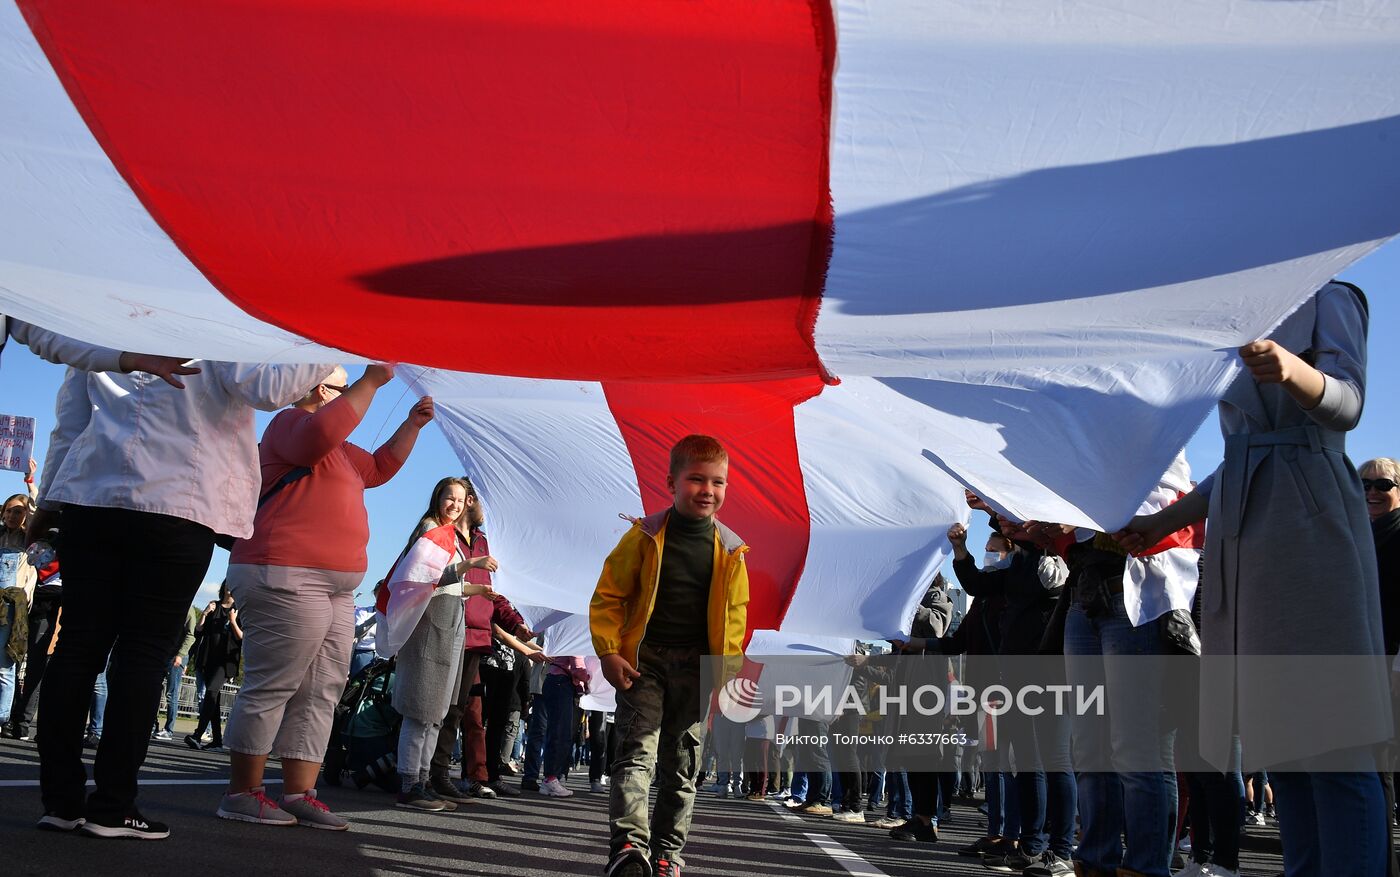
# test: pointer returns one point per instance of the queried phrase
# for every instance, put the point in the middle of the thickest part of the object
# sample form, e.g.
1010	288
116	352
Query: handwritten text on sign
16	442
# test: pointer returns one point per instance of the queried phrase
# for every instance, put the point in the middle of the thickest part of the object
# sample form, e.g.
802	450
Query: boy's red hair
697	449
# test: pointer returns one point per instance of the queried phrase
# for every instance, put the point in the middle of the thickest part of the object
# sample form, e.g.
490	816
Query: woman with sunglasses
1287	530
295	581
1380	478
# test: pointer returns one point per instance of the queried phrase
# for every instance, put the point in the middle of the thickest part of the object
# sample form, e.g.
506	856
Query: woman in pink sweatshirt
294	581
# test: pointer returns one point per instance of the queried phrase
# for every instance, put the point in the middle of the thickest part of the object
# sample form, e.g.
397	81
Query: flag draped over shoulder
411	584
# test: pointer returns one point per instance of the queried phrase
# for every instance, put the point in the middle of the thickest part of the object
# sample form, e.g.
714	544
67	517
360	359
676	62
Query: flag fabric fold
411	584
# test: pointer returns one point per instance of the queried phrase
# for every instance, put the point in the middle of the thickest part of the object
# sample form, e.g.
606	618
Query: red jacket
481	612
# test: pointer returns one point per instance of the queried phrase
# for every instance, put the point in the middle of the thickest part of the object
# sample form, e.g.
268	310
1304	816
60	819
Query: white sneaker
1218	871
1256	818
1192	870
852	816
554	789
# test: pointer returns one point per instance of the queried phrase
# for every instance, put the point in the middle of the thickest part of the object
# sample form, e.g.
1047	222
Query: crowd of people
475	686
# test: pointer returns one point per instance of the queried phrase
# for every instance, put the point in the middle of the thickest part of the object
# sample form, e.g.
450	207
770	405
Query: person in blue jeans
1003	808
901	804
816	786
1028	580
532	750
7	666
175	676
550	734
1133	802
17	577
96	709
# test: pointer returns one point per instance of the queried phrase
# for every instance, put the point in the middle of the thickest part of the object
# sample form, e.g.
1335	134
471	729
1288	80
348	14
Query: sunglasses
1380	484
334	387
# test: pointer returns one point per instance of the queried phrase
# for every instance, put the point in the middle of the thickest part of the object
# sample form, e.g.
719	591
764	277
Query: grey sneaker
313	813
502	790
431	794
1049	865
447	790
253	806
417	798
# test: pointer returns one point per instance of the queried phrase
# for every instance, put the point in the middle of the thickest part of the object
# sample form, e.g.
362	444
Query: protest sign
16	442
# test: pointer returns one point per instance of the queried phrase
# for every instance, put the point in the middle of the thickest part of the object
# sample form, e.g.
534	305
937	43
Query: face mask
993	560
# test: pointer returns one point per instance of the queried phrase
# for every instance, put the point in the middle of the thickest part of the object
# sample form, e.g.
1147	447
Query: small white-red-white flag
411	584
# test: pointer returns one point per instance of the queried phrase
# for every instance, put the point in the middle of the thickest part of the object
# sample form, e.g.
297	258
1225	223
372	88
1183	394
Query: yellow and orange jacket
626	593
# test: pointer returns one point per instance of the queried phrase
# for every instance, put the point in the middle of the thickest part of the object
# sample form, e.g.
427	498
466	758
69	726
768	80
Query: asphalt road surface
529	836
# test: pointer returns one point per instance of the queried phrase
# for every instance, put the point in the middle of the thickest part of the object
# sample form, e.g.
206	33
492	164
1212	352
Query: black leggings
211	705
495	710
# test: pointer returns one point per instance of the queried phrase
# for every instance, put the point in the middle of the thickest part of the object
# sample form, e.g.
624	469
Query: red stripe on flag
1191	536
589	191
766	501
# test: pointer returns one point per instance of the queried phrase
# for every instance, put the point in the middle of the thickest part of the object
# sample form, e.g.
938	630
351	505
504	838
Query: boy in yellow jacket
675	588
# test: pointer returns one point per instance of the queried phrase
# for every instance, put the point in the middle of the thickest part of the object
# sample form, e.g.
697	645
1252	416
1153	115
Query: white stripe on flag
553	473
880	517
411	586
1061	266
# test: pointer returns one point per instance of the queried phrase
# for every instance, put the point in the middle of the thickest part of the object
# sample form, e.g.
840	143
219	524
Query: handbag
1179	633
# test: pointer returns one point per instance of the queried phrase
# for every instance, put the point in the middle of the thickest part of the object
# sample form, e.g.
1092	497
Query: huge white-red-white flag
412	582
926	246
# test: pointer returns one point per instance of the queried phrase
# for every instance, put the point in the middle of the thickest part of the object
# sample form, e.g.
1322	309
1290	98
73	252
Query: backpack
365	729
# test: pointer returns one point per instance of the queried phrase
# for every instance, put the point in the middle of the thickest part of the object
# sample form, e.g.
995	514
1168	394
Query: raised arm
978	583
389	457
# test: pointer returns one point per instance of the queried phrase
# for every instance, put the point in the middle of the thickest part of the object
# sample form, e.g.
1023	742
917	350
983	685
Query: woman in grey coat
1287	528
427	664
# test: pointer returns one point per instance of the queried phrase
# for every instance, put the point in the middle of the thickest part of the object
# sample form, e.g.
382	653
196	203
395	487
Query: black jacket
1028	602
1387	532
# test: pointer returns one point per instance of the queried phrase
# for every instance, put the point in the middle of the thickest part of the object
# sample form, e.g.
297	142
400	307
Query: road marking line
854	865
34	784
784	812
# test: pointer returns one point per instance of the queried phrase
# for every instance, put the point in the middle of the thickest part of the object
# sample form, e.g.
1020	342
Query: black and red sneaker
667	868
628	862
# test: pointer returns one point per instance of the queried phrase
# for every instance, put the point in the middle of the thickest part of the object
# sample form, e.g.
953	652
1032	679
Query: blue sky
30	385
